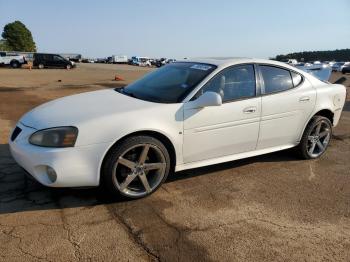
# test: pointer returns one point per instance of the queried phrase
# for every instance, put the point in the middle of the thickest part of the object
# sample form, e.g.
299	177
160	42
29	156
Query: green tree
4	46
18	38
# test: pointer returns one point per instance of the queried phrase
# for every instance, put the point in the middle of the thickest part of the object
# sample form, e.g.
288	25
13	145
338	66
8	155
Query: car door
288	100
231	128
58	61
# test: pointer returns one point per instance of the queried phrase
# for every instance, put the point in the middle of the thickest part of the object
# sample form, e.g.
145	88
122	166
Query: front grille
15	133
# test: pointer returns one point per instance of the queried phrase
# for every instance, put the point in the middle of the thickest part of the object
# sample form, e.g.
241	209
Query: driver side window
57	58
234	83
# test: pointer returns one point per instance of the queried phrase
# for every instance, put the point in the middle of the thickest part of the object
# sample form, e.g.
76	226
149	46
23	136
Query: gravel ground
271	207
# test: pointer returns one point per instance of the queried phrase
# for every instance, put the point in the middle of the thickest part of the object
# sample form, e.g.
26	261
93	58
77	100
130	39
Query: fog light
51	174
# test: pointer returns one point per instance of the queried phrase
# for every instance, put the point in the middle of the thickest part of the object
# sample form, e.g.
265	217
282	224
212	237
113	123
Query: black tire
15	64
302	148
68	66
41	66
109	164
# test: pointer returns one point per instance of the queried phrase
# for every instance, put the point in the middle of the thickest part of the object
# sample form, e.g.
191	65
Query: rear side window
276	79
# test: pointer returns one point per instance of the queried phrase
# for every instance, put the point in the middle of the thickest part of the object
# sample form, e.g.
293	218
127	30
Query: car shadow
19	192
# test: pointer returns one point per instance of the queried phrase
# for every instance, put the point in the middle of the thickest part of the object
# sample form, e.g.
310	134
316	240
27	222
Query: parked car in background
12	59
336	67
346	64
160	62
141	61
163	61
72	57
51	61
184	115
292	61
101	60
346	68
88	60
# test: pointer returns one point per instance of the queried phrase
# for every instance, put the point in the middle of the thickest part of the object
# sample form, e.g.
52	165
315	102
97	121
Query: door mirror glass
207	99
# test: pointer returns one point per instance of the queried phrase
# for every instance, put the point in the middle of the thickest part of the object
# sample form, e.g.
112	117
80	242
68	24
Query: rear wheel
316	138
41	66
136	167
15	64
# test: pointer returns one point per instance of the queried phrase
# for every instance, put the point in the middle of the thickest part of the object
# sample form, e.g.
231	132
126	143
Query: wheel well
14	61
162	138
326	113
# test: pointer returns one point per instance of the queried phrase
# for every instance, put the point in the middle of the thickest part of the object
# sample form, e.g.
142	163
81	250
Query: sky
178	29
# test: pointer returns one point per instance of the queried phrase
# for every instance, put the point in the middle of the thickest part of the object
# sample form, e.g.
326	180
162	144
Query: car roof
224	62
227	61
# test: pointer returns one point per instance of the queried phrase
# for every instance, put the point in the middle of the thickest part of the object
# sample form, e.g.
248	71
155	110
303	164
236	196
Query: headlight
55	137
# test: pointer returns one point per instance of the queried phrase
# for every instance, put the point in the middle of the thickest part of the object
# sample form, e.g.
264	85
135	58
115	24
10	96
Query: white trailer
118	59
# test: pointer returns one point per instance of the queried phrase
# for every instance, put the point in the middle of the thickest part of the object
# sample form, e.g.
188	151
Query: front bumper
74	166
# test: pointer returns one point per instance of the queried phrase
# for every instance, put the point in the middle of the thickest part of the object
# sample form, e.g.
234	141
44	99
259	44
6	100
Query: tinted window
44	57
297	79
276	79
233	83
57	58
169	84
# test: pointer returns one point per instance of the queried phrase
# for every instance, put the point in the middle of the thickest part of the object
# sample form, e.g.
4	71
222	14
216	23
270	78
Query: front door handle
304	99
249	110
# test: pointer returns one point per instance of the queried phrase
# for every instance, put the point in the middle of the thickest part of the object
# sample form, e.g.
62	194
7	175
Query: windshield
169	84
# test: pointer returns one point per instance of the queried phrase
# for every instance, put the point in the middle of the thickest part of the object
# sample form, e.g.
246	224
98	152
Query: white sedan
184	115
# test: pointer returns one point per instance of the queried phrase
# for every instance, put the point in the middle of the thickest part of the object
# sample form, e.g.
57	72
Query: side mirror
207	99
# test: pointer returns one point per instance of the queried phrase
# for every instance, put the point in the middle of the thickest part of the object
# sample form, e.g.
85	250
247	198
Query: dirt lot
272	207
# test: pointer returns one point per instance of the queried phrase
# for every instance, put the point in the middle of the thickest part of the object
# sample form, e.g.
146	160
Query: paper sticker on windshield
201	67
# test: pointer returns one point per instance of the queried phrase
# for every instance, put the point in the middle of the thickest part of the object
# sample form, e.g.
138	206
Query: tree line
307	56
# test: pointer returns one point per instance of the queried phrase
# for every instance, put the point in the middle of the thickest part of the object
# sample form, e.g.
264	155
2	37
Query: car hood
77	109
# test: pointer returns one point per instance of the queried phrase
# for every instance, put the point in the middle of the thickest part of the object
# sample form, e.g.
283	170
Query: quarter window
276	79
234	83
297	79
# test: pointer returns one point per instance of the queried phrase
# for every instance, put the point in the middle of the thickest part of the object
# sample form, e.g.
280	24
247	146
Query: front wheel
316	138
68	67
136	167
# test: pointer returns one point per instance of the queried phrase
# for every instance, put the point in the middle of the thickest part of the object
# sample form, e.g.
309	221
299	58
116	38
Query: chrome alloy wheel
318	139
139	170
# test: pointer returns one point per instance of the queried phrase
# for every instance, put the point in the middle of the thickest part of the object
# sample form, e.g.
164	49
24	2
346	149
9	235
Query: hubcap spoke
145	183
324	133
153	166
127	181
144	154
126	162
320	145
318	129
312	148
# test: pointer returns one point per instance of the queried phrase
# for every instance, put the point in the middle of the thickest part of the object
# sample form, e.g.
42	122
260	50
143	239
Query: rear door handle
304	99
249	110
